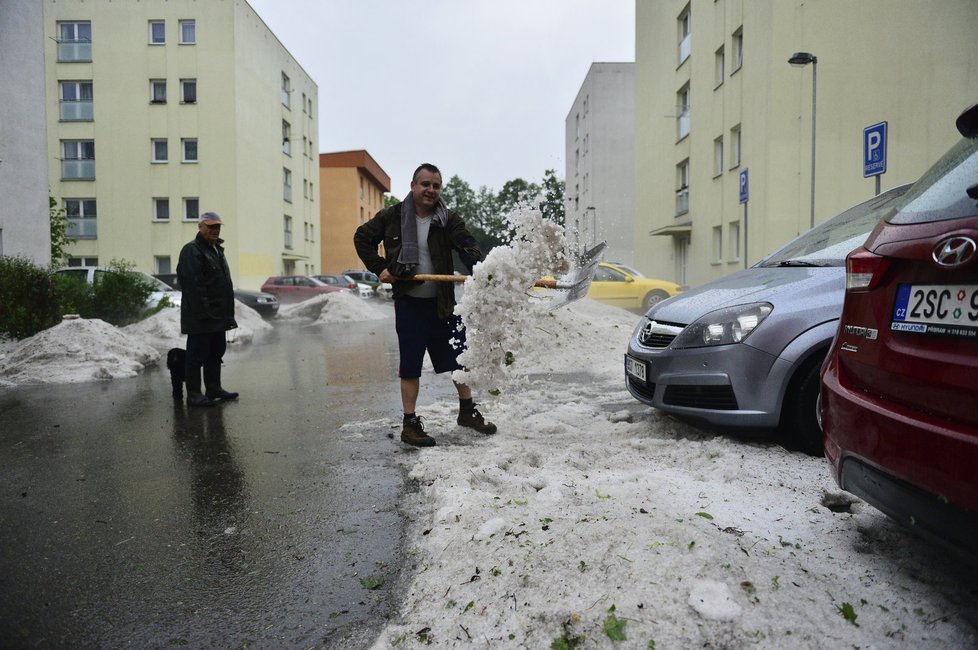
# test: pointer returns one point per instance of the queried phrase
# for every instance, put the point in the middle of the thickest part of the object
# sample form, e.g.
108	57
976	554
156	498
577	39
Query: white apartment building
599	154
160	110
24	212
715	97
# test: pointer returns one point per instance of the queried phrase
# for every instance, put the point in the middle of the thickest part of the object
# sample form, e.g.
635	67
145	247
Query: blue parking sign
743	186
874	150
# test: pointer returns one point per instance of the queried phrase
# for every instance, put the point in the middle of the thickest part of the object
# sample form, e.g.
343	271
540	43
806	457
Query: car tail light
864	270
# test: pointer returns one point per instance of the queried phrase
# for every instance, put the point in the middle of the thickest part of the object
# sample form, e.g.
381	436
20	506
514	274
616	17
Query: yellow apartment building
716	100
351	188
160	110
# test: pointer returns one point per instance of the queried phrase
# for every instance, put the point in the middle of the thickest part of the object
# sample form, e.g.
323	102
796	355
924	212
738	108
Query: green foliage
372	583
28	298
614	627
848	612
59	233
390	199
552	205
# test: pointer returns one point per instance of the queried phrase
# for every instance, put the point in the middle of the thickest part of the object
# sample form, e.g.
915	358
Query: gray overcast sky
480	88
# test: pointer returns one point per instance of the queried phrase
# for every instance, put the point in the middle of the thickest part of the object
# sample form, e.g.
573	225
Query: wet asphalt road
129	521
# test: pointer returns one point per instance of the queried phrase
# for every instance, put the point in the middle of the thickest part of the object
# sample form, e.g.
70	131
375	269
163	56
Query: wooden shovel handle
546	284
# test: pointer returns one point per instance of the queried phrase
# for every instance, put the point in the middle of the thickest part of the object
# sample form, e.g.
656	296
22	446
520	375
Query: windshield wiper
799	263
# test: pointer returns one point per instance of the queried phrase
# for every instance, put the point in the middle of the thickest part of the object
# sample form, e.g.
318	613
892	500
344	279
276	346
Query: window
161	150
718	156
312	232
188	91
312	196
682	106
82	261
719	68
738	49
191	208
733	233
287	185
682	187
161	209
286	138
77	160
188	32
286	90
310	106
76	101
157	32
287	231
735	147
80	218
189	146
685	46
163	264
305	189
304	103
157	91
717	244
74	42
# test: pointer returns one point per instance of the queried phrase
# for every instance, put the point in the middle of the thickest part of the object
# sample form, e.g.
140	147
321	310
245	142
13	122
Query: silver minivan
745	351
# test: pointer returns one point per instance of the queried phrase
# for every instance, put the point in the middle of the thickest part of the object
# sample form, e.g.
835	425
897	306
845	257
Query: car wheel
799	420
653	297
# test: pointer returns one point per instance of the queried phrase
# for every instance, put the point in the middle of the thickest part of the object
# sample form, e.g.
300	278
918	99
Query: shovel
572	286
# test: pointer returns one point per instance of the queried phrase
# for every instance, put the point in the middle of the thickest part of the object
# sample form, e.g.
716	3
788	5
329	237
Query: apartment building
716	100
600	161
163	109
24	213
352	187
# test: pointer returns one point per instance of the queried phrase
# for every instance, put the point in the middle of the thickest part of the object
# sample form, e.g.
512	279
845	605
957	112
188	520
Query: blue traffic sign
874	150
743	186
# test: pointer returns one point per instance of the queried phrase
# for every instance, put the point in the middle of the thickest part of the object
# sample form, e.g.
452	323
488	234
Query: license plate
950	309
635	368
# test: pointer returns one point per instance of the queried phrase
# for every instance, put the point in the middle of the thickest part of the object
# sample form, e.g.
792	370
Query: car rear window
942	193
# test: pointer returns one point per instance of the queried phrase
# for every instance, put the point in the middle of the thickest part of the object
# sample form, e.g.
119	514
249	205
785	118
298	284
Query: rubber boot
212	382
194	396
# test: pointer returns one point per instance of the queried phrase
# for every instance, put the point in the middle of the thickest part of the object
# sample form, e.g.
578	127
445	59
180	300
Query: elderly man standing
206	310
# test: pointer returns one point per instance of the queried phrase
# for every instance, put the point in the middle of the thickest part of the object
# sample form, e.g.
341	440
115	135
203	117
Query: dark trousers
205	349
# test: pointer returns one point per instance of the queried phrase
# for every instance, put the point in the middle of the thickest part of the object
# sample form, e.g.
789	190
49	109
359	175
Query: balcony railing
685	48
288	239
81	227
75	169
683	124
69	51
287	193
75	110
682	201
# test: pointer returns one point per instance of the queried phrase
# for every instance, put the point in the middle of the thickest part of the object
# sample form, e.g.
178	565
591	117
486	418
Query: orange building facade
351	191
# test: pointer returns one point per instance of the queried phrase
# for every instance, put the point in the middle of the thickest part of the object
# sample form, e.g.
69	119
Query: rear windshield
942	192
828	243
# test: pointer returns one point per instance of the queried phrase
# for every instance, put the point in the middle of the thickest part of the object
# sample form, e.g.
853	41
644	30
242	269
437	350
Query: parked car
745	350
90	274
264	303
337	280
615	285
371	279
900	385
296	288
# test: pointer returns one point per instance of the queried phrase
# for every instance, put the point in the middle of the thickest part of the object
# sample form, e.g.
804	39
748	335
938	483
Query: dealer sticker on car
635	368
936	309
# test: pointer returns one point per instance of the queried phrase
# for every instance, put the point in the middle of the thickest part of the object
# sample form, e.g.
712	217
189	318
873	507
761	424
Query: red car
296	288
899	395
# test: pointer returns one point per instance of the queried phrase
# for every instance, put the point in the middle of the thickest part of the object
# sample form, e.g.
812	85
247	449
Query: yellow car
618	286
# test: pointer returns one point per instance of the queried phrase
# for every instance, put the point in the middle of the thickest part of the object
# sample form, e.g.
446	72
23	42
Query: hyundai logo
954	251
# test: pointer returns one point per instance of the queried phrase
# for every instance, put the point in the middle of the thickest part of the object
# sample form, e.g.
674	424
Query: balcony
682	201
73	169
685	48
74	51
81	228
77	110
683	124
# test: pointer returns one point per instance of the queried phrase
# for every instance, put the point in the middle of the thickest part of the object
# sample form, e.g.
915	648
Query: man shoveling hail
419	235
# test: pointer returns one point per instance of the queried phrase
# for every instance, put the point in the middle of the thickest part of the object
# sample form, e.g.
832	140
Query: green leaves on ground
848	612
373	582
614	627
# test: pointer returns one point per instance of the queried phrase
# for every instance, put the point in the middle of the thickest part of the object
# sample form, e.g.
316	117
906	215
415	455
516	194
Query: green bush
118	296
28	298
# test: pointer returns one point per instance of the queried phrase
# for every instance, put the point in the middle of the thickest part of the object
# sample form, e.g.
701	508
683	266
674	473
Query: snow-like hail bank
498	307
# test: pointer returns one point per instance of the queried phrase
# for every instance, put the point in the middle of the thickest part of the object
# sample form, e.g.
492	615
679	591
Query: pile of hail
496	305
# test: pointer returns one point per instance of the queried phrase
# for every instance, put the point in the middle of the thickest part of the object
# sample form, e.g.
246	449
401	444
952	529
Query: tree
390	199
460	198
515	193
552	205
59	233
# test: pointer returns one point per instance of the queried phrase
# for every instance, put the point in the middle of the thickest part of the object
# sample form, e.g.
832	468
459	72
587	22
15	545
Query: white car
160	288
364	290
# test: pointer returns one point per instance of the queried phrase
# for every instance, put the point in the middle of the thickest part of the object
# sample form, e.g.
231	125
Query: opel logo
954	251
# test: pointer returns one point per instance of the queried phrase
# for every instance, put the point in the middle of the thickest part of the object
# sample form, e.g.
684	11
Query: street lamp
802	59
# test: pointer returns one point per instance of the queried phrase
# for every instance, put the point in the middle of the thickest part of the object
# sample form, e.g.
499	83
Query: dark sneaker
413	434
470	417
196	399
220	393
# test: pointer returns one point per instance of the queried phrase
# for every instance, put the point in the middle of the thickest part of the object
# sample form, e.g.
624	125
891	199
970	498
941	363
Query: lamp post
802	59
